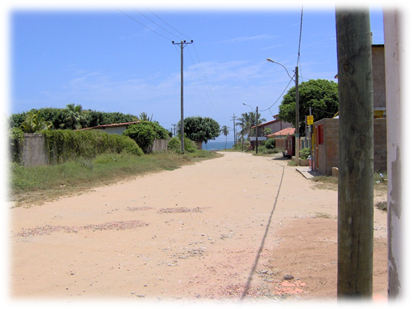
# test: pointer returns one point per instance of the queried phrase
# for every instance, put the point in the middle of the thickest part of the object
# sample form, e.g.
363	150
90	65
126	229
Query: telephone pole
355	193
234	129
257	128
182	138
297	141
174	129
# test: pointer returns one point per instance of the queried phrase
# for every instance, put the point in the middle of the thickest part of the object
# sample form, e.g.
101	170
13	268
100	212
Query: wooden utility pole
257	128
234	128
297	141
182	132
355	193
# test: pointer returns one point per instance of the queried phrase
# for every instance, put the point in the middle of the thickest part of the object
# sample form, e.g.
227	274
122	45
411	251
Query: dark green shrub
174	144
190	145
161	133
304	153
63	145
142	133
16	137
270	143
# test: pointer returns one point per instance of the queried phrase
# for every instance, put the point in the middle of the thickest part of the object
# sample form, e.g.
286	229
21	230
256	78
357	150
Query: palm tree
225	131
247	121
34	123
144	117
74	116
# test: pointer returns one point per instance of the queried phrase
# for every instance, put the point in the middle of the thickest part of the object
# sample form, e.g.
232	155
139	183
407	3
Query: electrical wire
264	110
207	83
168	24
211	99
300	35
144	25
157	24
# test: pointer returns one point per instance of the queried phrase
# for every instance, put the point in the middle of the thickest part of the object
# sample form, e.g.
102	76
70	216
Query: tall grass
35	184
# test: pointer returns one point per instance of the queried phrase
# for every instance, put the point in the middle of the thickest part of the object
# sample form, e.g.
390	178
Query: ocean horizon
217	145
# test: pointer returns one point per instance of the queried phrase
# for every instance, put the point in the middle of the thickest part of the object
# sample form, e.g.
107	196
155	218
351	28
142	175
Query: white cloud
249	38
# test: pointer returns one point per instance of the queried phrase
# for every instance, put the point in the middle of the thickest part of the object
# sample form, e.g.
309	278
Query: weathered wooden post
355	196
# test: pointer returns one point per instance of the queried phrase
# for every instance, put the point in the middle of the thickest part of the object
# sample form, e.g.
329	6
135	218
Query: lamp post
297	108
257	127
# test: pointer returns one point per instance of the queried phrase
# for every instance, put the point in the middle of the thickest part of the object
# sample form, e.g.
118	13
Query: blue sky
107	61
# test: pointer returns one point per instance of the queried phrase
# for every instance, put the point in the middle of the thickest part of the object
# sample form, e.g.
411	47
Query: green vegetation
225	131
144	134
270	143
247	121
72	117
200	129
34	123
304	153
320	94
16	137
34	185
63	145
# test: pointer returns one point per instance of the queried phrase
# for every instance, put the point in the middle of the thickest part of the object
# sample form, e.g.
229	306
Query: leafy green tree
15	120
145	132
320	94
142	133
200	129
35	123
225	131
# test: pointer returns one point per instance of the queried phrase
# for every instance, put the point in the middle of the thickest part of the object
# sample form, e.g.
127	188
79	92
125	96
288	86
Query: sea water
217	145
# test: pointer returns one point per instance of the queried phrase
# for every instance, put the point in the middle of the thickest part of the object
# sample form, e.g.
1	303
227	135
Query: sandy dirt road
208	231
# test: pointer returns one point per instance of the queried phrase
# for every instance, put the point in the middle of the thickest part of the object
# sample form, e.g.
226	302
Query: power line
278	97
168	24
204	75
203	84
300	34
157	23
143	25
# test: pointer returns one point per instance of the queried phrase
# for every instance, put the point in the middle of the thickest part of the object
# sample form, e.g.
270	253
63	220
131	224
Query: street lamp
257	127
297	108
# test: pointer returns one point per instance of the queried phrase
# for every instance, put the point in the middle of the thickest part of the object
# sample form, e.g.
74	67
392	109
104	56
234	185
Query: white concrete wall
394	53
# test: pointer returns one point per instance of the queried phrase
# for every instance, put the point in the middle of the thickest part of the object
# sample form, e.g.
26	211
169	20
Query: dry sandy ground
209	231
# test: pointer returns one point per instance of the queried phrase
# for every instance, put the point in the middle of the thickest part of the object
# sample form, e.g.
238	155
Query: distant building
114	128
326	131
275	125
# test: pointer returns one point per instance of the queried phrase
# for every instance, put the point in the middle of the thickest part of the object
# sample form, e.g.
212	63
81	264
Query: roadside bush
142	133
161	133
63	145
190	145
174	145
270	143
304	153
16	137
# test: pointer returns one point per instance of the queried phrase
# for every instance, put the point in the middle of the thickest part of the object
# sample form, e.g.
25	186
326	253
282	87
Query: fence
34	149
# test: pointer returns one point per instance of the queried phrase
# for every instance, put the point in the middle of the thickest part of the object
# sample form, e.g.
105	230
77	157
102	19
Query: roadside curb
306	172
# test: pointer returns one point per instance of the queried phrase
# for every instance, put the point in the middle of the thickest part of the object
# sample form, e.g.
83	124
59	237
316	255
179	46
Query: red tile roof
284	132
102	126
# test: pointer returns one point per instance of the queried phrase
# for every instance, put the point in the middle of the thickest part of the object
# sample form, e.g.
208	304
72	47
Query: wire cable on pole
168	24
135	20
157	24
300	35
